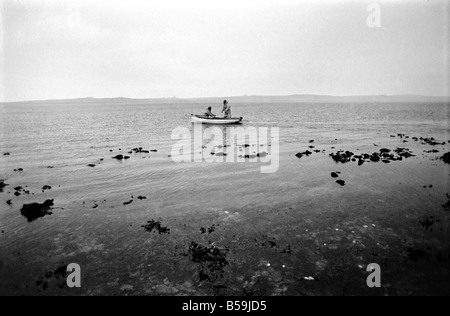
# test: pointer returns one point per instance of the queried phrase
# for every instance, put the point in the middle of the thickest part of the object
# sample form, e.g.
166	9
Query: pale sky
194	48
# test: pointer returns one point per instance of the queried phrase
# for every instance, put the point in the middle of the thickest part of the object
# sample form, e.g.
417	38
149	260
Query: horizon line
234	96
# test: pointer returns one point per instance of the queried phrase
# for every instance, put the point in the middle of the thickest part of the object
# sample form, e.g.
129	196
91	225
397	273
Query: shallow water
274	230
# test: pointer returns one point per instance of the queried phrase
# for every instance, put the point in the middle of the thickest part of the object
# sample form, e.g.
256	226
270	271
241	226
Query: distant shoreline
296	98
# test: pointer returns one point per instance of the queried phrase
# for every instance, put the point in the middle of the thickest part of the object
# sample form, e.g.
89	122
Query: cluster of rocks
34	211
428	222
385	155
18	169
156	226
336	175
139	150
140	197
19	190
212	259
211	229
424	140
430	141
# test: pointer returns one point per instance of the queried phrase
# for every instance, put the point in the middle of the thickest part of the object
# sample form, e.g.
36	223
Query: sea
154	225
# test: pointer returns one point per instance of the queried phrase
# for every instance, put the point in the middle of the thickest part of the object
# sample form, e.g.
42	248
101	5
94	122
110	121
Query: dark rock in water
334	175
2	185
360	162
341	182
95	206
50	167
209	253
342	157
5	154
120	157
385	161
431	151
17	193
9	202
156	226
220	154
311	141
403	152
140	197
34	211
129	202
305	153
311	146
18	169
154	150
445	158
384	150
91	165
46	187
19	188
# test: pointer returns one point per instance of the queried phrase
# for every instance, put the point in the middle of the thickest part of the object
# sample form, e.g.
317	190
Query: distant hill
295	98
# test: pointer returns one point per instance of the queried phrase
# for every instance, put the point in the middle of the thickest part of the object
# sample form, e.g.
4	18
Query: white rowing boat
215	120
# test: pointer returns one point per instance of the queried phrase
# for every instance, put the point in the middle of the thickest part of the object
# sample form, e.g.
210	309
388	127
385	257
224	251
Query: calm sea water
256	216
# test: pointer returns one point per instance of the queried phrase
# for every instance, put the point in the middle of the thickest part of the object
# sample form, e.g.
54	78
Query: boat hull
216	120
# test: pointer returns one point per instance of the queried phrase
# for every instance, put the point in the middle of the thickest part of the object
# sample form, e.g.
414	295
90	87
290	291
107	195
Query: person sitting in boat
209	113
226	109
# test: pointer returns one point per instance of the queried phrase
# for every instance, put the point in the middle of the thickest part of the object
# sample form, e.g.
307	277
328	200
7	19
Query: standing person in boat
226	109
208	112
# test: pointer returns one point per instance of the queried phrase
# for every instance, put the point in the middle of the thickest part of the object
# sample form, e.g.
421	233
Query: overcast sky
68	49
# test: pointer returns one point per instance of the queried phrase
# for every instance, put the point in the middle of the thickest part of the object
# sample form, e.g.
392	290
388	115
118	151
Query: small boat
215	120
